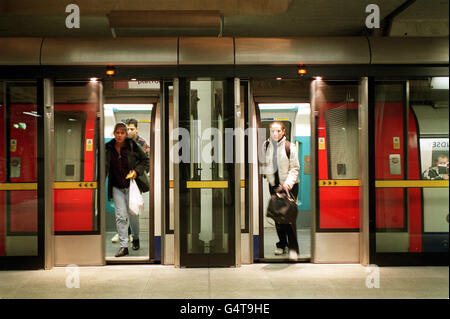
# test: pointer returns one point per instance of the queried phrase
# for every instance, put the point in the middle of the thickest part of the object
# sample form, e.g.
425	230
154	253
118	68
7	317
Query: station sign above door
152	85
143	84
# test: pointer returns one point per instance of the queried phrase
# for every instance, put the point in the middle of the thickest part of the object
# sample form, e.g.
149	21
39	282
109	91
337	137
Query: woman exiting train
125	159
281	168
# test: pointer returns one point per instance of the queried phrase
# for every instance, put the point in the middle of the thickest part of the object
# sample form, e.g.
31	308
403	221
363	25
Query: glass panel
206	211
18	170
337	134
130	102
411	219
429	159
76	148
391	215
207	227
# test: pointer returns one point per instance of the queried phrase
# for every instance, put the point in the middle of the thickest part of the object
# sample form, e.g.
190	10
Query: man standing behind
132	125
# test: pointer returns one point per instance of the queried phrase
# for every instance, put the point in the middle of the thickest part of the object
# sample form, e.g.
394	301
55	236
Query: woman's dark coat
137	160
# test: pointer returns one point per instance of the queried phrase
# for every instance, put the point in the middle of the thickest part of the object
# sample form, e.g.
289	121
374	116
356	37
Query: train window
391	218
411	145
75	150
18	169
69	136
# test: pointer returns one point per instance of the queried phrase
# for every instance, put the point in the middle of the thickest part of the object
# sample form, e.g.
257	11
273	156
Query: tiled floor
267	281
113	248
271	238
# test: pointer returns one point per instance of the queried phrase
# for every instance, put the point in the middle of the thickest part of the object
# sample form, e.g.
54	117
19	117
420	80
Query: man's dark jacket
137	160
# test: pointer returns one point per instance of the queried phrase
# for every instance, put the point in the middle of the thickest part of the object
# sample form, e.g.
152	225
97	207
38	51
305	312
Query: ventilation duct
165	23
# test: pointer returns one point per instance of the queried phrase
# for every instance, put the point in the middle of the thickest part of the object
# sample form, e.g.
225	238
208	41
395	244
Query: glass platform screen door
206	173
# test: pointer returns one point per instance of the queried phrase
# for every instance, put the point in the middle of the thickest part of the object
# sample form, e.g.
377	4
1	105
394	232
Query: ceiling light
440	83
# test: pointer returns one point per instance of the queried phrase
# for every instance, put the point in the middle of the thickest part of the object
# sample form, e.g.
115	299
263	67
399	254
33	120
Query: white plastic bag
135	200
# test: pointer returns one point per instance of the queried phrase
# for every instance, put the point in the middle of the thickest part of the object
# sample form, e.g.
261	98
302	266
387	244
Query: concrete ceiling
249	18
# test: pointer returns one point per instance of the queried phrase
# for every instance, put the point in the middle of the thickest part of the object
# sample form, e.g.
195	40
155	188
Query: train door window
134	103
411	167
337	139
19	209
75	154
296	121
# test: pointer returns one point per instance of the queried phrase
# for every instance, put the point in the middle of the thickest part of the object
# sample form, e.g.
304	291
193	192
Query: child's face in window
442	160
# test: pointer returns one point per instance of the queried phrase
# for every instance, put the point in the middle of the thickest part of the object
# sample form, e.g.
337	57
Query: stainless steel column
102	172
363	127
49	259
176	176
237	169
313	118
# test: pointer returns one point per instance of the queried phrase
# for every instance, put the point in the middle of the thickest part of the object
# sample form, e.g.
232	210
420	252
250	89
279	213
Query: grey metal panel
392	242
431	120
435	210
20	51
81	250
103	51
390	50
327	50
206	51
336	248
21	245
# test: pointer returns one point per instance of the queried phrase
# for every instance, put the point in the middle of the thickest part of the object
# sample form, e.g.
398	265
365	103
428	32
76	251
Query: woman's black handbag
282	208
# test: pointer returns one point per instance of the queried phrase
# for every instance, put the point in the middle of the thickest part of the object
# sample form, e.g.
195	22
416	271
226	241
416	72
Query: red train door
77	205
337	161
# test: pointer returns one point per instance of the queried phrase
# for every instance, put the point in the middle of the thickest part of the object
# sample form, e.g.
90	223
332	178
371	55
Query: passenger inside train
281	170
293	119
132	125
439	170
125	160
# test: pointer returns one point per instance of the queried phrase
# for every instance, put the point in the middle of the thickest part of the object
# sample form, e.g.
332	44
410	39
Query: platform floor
267	281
